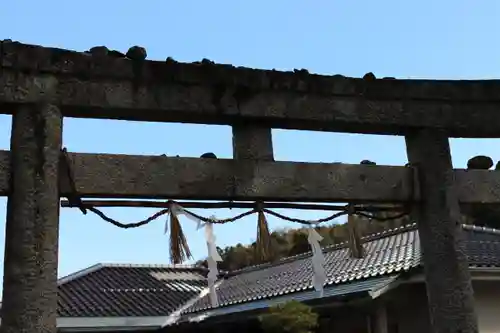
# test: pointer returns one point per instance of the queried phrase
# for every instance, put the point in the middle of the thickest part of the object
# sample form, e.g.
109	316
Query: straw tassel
179	248
263	243
355	244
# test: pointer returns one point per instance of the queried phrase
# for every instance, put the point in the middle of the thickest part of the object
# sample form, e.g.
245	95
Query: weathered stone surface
4	172
222	179
480	163
369	77
99	51
449	290
29	302
116	54
137	53
51	60
104	175
174	102
252	143
478	186
115	88
208	155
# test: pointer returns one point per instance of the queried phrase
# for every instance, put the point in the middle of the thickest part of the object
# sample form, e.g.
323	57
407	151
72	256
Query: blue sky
419	39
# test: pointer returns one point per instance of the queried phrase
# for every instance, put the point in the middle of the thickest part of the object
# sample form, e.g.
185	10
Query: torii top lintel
92	86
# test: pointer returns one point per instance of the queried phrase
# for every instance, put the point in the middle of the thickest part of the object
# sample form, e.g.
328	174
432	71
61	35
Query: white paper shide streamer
213	254
318	261
213	258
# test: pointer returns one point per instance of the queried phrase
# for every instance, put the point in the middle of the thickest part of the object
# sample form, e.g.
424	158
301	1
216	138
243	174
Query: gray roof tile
128	290
387	253
147	290
340	290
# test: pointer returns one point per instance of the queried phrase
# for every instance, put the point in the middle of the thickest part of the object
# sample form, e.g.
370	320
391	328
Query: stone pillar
29	302
449	290
252	142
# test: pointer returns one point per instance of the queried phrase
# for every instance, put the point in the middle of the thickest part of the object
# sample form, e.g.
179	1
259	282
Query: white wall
412	317
487	295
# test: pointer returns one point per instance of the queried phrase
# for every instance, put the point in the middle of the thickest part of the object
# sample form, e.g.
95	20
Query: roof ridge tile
84	272
328	248
172	266
487	230
79	274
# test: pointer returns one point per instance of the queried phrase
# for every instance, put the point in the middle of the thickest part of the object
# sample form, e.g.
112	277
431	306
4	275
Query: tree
291	317
299	243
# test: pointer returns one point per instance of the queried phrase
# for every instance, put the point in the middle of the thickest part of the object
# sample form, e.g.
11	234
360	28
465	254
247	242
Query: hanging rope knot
73	197
413	174
351	209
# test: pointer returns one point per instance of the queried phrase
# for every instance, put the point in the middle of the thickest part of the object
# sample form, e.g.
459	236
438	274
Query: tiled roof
159	290
364	287
387	253
128	290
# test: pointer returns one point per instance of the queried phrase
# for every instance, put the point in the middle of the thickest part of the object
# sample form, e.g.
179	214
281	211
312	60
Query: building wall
407	312
344	320
408	307
487	295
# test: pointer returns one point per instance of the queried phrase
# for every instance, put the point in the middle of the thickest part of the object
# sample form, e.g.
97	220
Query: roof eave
307	296
258	307
107	324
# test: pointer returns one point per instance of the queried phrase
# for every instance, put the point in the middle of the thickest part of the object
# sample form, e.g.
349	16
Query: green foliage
291	317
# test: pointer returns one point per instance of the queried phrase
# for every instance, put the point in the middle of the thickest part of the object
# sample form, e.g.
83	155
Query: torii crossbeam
39	86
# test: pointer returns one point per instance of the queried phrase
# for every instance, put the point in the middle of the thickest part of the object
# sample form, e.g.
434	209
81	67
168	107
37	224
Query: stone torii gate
39	86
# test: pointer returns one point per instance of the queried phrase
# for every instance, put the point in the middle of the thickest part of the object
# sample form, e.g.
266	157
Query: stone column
449	290
29	302
252	142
